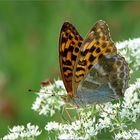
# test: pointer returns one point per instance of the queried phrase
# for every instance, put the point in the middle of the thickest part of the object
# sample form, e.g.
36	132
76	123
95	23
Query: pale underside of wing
106	81
96	45
69	46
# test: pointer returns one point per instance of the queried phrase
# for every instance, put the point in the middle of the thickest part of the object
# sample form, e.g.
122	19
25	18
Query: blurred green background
29	33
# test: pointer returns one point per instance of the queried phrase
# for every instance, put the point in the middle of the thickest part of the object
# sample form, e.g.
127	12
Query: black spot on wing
91	58
64	40
89	67
80	75
83	53
79	44
73	43
92	49
73	57
98	50
80	69
67	62
66	68
76	50
70	48
64	53
70	37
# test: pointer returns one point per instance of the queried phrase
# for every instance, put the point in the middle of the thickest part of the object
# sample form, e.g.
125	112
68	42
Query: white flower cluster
132	134
20	132
49	99
114	117
130	49
78	129
131	103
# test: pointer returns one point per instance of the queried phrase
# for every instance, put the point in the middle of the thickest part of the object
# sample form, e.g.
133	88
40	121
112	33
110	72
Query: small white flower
17	129
131	50
59	84
52	125
11	136
37	104
66	136
76	125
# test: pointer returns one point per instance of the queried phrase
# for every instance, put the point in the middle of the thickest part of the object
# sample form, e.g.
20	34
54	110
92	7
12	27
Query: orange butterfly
91	68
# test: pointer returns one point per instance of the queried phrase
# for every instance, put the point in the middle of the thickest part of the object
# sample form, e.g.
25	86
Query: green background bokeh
29	33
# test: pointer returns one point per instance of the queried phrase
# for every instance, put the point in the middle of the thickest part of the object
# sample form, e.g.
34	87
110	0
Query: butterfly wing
97	44
106	81
69	44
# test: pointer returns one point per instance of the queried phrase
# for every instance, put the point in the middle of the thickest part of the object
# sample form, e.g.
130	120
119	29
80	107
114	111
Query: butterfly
91	68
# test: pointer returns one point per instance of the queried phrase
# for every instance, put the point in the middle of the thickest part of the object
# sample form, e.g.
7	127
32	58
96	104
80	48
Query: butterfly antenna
31	90
37	91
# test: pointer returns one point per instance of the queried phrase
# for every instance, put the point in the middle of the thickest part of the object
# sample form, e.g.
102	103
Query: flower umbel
21	132
49	99
130	49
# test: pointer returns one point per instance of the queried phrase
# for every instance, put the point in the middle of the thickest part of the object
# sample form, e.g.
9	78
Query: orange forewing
69	46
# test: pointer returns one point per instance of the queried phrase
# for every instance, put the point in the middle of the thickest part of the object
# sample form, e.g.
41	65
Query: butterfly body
92	70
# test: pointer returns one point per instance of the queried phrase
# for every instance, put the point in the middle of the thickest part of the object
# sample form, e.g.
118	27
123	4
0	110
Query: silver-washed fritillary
91	68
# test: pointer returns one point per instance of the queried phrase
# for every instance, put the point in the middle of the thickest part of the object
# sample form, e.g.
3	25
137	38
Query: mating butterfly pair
91	68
